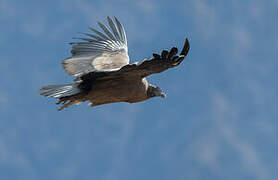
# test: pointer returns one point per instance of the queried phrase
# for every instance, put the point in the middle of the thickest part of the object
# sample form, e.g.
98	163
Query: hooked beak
163	95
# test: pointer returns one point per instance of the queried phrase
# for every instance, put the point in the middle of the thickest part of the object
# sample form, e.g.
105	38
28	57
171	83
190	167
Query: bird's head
155	91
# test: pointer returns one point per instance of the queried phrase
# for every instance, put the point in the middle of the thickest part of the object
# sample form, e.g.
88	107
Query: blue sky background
219	120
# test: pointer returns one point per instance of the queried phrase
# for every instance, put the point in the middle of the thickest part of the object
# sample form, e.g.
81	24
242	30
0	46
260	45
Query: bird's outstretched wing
100	51
157	64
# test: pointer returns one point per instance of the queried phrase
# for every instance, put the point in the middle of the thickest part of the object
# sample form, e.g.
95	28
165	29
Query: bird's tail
60	91
68	94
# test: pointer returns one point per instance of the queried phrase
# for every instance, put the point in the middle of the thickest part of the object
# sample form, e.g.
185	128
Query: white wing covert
100	52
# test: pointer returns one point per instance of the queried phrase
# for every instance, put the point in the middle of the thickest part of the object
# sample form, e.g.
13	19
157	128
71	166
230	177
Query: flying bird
100	63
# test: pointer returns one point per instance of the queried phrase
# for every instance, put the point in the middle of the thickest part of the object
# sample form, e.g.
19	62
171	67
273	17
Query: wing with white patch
102	51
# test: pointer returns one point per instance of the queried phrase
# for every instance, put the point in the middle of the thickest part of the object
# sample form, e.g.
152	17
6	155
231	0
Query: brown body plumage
129	90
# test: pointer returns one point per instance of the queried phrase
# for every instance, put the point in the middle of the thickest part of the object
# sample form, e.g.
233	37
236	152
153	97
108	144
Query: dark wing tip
173	52
164	54
185	48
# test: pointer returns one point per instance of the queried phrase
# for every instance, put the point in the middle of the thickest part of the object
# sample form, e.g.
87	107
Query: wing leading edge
159	63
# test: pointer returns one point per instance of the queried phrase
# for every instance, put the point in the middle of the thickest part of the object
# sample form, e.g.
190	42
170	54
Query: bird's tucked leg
68	101
65	105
